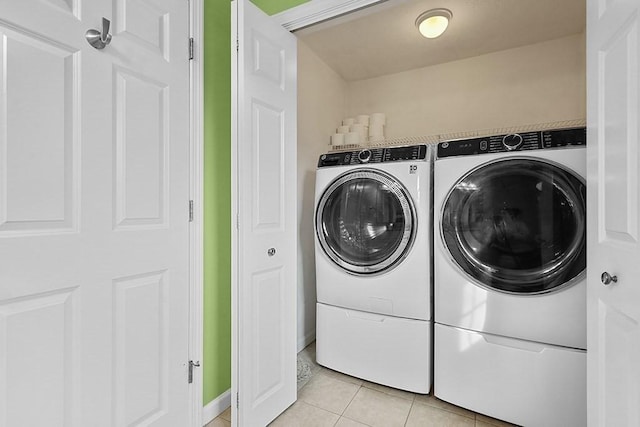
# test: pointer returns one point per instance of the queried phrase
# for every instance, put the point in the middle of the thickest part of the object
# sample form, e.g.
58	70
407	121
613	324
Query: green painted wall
271	7
217	199
217	191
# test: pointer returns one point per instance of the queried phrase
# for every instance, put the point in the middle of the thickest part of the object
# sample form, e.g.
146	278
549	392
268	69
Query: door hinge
237	400
190	210
190	48
192	364
237	45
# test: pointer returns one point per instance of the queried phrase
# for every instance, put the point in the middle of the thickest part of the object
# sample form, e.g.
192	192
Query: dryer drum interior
365	221
517	225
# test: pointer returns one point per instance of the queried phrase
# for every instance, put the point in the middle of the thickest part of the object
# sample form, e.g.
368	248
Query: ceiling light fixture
432	23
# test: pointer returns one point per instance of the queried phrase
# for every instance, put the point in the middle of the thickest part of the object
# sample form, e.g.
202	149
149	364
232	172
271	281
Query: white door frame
196	256
315	11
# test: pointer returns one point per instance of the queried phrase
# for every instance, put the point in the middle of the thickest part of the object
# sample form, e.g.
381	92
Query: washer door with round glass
365	222
517	226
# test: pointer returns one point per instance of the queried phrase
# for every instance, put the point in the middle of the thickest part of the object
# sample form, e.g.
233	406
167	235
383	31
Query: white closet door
613	48
94	185
265	195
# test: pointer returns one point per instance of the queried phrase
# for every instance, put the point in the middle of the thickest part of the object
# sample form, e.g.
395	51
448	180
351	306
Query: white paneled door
94	189
265	190
613	267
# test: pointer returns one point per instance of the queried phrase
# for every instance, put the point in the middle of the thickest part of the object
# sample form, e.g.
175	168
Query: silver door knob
99	39
271	251
606	278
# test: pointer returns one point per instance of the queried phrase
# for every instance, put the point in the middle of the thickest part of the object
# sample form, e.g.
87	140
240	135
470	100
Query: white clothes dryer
373	247
510	290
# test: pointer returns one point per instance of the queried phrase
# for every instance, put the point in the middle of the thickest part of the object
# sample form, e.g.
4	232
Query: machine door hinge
190	210
237	400
190	48
192	364
237	45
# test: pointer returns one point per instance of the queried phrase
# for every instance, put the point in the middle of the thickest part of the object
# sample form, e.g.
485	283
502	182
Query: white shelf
434	139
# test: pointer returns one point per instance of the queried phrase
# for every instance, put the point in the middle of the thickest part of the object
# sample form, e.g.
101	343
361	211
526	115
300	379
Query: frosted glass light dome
434	22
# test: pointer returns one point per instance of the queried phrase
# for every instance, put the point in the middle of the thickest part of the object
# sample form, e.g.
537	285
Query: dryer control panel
374	155
557	138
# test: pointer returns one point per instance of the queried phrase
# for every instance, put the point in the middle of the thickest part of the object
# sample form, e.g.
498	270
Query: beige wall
321	107
538	83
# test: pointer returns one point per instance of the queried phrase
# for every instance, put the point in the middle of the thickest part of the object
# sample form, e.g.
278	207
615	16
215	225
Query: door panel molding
613	314
263	207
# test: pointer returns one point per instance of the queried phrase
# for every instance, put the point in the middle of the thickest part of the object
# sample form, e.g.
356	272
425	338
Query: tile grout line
350	401
356	421
409	413
318	407
324	409
332	378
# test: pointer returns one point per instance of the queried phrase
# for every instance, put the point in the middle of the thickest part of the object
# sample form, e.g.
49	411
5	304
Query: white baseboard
305	340
216	407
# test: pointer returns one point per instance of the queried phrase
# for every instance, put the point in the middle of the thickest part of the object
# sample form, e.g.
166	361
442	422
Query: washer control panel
374	155
557	138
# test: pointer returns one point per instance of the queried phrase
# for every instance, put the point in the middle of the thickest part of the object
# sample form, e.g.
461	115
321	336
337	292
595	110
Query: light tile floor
331	399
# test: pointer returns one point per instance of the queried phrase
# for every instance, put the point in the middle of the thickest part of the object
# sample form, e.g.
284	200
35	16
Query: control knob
512	142
364	156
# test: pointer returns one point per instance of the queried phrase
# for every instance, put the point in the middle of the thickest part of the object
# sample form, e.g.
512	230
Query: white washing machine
510	289
373	246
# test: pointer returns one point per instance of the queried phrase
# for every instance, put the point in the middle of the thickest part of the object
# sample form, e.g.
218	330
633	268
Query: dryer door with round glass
517	226
365	222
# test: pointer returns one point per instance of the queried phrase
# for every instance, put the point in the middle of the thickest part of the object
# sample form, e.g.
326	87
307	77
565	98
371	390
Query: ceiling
383	39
